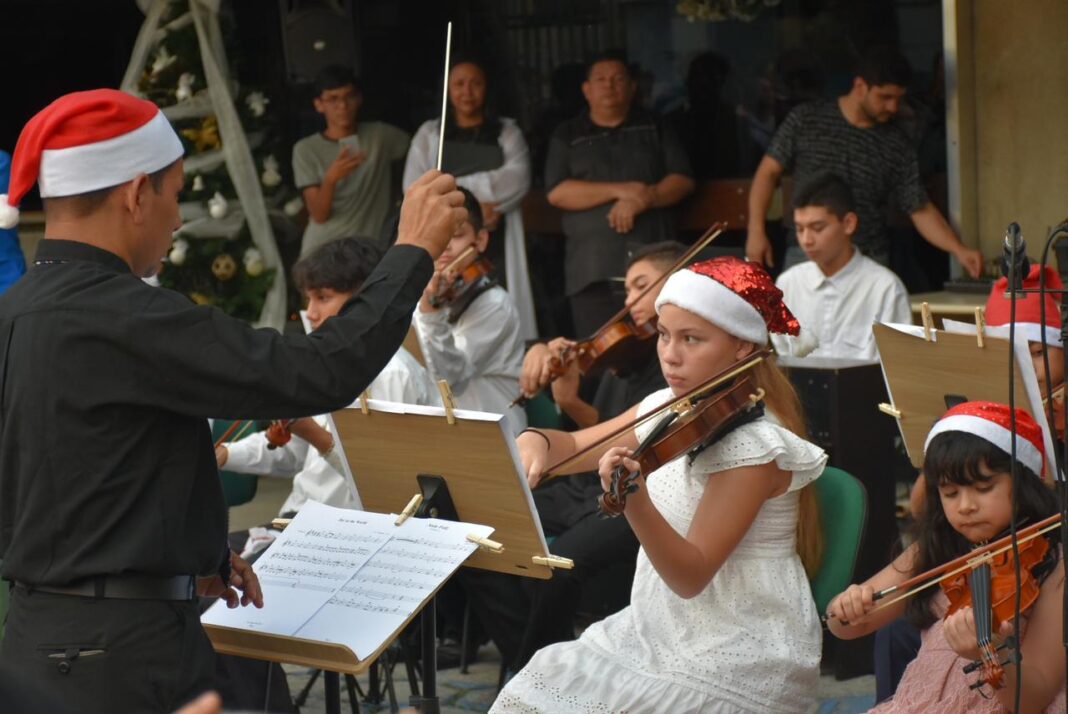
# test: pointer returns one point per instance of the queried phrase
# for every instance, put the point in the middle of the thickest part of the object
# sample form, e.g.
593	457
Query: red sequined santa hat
87	141
991	421
1028	309
738	297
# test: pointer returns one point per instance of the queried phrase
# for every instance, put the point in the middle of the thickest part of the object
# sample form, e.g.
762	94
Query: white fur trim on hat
9	215
715	302
1026	452
103	164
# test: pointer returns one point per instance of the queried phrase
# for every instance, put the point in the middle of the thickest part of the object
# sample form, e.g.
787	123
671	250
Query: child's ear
850	222
482	240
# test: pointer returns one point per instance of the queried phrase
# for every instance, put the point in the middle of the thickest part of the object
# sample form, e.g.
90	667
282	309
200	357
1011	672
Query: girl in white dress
721	617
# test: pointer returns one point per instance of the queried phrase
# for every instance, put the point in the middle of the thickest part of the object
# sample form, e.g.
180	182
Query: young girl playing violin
967	465
721	618
470	337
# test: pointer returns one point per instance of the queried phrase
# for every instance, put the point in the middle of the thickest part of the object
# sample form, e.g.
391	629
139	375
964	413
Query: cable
1014	474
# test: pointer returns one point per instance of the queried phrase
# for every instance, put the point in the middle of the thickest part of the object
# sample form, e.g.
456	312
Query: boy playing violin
328	278
472	341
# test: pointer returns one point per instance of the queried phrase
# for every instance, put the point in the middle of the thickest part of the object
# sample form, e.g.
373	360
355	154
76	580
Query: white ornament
178	251
164	59
185	86
293	206
253	261
257	103
270	176
218	206
198	183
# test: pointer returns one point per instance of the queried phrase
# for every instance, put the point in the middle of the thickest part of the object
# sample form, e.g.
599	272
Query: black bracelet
542	435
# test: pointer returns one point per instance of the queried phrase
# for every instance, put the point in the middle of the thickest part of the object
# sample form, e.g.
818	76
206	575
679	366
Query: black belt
126	587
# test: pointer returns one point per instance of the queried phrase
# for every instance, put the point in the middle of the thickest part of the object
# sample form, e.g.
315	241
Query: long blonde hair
782	400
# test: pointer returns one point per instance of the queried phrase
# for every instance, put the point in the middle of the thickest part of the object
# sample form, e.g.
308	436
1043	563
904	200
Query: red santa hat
738	297
1028	309
87	141
992	422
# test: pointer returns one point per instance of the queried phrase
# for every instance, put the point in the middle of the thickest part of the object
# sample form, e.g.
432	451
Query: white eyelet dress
750	642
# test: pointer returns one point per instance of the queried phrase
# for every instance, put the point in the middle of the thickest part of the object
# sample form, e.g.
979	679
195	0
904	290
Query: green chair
844	511
542	412
237	488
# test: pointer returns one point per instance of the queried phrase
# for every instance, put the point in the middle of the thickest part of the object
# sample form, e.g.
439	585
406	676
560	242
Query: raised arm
855	604
542	448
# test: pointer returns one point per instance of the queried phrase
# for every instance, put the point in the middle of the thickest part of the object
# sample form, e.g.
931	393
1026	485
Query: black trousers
522	615
99	655
593	306
896	645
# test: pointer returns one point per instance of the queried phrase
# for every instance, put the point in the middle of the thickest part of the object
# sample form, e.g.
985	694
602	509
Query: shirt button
63	666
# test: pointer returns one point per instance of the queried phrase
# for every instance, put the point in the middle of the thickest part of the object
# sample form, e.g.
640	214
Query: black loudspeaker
317	33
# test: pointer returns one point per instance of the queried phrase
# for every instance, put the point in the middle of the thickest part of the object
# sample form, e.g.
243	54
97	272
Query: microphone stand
1055	235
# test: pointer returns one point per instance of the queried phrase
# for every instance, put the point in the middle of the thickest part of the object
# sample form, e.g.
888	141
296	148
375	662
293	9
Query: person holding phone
345	171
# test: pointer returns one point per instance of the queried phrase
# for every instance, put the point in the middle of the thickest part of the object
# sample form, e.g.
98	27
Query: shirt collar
818	279
62	251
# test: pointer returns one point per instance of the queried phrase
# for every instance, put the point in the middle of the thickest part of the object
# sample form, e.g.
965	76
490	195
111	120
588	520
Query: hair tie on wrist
542	435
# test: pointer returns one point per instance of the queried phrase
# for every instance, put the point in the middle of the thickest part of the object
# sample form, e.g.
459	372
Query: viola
695	426
990	588
620	343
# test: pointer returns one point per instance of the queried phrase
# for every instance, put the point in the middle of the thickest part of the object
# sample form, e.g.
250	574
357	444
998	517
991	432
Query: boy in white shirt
328	277
474	343
839	294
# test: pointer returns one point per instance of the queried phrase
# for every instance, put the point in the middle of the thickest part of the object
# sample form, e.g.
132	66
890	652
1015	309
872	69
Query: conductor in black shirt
112	517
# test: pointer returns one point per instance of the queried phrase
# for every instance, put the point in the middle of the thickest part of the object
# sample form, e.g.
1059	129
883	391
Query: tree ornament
178	251
198	183
163	60
206	136
257	103
218	206
253	261
270	177
224	267
184	92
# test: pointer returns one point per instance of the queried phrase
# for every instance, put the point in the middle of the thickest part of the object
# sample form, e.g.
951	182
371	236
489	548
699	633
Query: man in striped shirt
855	137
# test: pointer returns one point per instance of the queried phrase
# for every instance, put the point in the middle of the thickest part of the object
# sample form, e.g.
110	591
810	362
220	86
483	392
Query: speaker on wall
317	33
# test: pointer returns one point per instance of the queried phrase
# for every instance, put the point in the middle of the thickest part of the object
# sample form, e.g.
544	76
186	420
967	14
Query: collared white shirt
480	355
326	479
840	310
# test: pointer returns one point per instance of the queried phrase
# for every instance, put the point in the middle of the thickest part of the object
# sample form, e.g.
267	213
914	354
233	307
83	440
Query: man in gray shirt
345	172
615	172
855	137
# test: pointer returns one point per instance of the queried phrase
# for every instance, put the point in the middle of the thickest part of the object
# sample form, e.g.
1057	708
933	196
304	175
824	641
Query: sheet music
350	577
313	558
393	584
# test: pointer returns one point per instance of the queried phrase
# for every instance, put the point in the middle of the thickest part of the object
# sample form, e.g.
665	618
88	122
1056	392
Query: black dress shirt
106	459
640	149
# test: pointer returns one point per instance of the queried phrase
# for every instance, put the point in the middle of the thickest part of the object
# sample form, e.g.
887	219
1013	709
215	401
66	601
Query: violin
278	433
686	430
620	343
990	589
463	286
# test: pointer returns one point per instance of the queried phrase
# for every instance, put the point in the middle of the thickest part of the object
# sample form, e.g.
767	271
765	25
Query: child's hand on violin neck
614	458
959	630
853	604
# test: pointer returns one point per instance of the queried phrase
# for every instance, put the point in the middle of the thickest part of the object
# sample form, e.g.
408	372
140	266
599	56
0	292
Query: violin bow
703	242
444	94
959	565
676	403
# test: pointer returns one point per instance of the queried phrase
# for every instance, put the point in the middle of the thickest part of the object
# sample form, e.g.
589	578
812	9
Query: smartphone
351	142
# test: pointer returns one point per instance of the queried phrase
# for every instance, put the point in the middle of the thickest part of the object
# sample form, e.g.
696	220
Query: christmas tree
225	253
